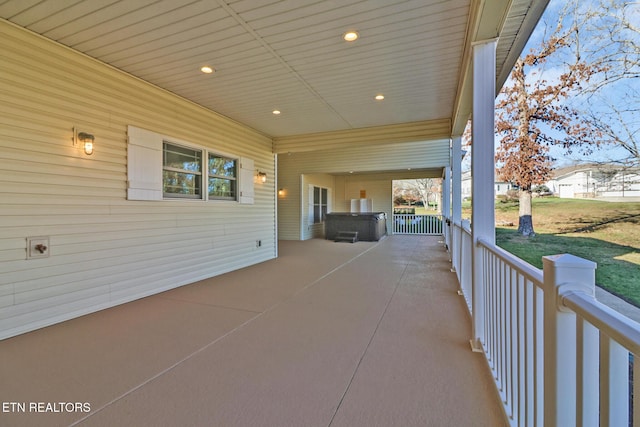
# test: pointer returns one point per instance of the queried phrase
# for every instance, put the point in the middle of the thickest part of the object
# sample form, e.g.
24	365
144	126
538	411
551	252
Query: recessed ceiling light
350	36
206	69
379	97
276	112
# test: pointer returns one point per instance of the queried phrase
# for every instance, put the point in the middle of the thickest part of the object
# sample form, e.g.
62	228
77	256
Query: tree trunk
525	222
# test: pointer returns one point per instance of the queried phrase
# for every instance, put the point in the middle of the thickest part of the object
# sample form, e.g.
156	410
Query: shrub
512	196
404	211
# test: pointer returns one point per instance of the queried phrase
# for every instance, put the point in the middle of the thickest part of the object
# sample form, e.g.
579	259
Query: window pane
222	166
181	184
220	188
182	171
316	214
177	157
323	204
316	195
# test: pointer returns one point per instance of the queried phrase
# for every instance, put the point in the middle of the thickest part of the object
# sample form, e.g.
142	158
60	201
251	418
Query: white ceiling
289	54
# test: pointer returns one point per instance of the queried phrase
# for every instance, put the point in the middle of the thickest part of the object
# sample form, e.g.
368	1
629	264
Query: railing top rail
620	328
403	214
462	226
527	270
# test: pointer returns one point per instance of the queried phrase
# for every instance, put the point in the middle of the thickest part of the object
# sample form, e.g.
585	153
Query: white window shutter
246	181
144	165
310	217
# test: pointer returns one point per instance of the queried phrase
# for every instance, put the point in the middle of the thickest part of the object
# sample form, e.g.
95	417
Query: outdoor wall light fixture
281	192
85	140
262	177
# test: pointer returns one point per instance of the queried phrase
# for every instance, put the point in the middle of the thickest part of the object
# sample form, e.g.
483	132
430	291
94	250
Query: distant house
500	187
595	180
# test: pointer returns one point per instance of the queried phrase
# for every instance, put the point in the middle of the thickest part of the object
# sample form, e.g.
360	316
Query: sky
617	96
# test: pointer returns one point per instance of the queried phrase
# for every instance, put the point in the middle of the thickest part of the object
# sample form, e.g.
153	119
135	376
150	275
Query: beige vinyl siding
414	155
377	188
105	249
430	155
289	202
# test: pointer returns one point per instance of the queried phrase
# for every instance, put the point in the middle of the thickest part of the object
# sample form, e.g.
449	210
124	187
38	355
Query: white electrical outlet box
38	247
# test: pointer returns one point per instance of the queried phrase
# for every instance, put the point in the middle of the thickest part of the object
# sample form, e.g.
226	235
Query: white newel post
482	173
564	274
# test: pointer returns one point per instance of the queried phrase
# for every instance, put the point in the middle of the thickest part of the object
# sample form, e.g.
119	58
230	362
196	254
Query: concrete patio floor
329	334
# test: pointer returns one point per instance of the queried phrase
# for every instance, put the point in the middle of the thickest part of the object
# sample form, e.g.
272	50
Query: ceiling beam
378	135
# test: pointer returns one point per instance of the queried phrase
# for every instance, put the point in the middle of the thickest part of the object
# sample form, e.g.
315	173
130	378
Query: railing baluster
530	352
587	393
539	355
419	224
513	338
493	302
500	327
506	332
636	392
488	325
522	340
614	383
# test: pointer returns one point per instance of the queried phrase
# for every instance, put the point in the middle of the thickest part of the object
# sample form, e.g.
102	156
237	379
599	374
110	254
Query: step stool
347	236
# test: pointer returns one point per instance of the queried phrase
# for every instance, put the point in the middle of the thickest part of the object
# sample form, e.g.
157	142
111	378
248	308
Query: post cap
568	261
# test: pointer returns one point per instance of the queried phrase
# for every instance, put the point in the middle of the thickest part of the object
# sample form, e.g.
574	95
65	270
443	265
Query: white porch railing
558	356
417	224
461	258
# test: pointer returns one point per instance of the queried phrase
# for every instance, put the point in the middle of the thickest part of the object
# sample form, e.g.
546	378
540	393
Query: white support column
456	202
482	172
446	207
446	193
562	274
456	185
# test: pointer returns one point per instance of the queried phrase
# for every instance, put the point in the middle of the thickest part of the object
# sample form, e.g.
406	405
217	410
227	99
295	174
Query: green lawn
603	232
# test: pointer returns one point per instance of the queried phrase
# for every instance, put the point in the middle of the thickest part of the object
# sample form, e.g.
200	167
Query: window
182	174
161	167
320	196
181	171
222	177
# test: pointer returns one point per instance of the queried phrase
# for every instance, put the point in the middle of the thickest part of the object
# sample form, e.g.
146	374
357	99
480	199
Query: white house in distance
595	180
581	181
500	187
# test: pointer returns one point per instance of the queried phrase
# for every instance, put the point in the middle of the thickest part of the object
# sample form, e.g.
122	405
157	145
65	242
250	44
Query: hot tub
371	226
